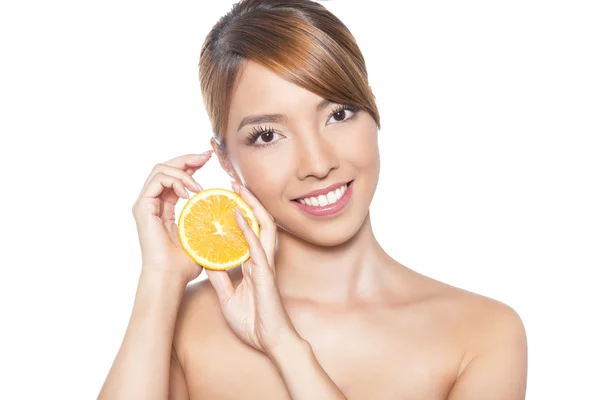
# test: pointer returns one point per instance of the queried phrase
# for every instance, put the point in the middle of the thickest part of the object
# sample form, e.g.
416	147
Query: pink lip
329	209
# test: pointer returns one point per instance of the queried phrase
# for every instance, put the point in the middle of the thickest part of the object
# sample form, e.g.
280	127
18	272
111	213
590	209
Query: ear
224	159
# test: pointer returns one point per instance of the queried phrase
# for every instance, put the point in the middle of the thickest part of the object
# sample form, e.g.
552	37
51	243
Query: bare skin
324	312
415	339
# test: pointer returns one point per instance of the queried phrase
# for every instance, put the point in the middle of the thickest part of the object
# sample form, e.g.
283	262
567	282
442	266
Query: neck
350	271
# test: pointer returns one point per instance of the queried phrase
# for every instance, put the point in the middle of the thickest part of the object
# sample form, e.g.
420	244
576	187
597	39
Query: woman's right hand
154	213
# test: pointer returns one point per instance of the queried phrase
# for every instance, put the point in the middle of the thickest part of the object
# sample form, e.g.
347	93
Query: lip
329	209
316	193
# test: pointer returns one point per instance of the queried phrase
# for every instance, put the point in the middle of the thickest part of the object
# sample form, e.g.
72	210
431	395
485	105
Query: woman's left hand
254	310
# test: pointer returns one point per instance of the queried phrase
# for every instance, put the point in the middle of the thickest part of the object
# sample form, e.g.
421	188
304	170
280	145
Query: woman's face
285	142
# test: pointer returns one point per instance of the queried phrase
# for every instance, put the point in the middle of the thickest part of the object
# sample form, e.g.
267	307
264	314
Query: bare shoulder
199	319
494	342
486	326
491	337
486	319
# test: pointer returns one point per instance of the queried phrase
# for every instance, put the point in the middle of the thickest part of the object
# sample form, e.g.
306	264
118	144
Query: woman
320	311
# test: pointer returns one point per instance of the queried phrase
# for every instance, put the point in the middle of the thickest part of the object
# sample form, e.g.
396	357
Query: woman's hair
299	40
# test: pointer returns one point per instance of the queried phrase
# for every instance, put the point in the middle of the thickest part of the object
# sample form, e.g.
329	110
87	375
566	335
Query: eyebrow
275	118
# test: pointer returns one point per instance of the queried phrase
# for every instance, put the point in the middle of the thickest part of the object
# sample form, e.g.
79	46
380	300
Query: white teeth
331	198
323	199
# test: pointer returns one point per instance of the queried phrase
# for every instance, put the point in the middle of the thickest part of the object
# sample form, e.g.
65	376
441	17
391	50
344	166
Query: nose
317	158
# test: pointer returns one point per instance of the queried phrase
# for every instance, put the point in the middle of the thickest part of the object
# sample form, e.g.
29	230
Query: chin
331	235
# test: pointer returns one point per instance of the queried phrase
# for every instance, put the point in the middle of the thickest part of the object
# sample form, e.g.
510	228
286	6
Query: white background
490	167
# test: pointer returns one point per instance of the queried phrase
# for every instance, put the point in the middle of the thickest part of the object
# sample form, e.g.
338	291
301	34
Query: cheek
266	173
361	147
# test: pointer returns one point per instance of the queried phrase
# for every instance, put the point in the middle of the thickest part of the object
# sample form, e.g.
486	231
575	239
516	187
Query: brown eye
267	137
340	115
263	137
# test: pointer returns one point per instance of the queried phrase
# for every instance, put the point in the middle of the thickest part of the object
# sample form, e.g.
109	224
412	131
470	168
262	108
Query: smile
326	201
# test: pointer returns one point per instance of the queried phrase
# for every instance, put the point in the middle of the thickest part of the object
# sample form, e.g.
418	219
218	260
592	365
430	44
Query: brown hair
299	40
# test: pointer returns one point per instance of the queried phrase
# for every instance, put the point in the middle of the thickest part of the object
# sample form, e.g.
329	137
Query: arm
146	364
302	374
141	369
499	372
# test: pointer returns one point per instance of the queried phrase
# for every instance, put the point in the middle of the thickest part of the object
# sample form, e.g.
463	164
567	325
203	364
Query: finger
149	201
221	282
185	177
189	162
169	198
173	173
246	269
160	183
259	265
190	171
268	229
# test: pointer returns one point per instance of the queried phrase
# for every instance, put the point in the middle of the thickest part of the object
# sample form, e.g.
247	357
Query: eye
342	114
263	136
266	137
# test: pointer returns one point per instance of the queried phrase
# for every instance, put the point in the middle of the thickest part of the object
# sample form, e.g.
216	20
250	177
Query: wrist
290	347
162	281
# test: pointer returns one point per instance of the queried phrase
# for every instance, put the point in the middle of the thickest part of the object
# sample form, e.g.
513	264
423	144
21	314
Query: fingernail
207	152
198	186
235	186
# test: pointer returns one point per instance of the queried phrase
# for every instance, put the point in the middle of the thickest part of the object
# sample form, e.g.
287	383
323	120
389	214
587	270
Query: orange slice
208	232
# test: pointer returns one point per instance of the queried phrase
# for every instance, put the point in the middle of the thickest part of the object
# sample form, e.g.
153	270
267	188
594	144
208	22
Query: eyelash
258	131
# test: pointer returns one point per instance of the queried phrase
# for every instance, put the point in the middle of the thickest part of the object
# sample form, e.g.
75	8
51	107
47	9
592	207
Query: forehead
259	90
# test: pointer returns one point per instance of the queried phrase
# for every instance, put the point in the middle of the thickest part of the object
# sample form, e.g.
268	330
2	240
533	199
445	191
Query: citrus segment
209	233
